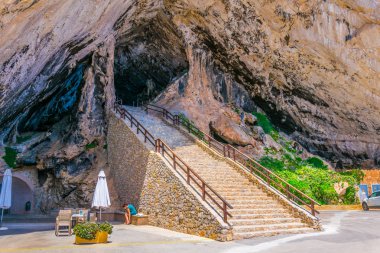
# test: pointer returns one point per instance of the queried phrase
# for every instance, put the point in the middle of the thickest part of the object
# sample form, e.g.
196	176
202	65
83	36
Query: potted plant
86	233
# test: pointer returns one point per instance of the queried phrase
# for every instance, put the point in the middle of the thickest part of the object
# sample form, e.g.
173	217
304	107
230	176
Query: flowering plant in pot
92	232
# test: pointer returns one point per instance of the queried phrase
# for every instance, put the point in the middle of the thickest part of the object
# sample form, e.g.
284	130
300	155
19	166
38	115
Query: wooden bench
139	220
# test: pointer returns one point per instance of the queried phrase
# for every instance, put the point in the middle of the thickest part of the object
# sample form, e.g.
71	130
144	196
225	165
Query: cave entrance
22	197
147	59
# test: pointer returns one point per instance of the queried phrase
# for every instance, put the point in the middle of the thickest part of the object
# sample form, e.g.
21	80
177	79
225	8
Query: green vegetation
311	176
266	125
106	227
263	121
10	157
191	126
92	145
88	230
22	139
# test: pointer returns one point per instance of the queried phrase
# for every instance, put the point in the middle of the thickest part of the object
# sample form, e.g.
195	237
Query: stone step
257	206
261	216
244	194
250	202
234	190
232	185
247	235
262	221
258	211
239	196
268	227
250	198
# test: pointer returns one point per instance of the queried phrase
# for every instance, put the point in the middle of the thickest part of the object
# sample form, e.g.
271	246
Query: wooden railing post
312	208
188	174
288	191
157	146
209	142
224	150
203	190
224	211
145	133
174	162
233	150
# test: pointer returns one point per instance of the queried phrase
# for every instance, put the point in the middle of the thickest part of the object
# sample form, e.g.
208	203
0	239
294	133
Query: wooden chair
63	223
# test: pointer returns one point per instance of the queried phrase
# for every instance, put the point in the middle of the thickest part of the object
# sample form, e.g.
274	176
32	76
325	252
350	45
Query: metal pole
2	213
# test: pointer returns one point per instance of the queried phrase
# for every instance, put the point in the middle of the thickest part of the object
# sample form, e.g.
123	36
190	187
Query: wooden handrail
192	176
237	156
161	147
124	114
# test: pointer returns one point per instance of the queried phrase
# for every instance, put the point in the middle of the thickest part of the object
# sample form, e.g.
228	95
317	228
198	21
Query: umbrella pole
100	219
2	213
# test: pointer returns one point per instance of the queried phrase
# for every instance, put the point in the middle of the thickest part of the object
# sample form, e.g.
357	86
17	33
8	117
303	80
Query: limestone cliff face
311	66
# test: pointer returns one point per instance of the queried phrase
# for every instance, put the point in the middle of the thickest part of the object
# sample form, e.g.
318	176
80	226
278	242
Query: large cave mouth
148	58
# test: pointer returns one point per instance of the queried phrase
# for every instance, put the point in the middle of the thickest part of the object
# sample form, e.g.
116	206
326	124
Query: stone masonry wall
128	161
143	178
371	177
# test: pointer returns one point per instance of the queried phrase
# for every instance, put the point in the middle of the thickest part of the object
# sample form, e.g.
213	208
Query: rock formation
311	66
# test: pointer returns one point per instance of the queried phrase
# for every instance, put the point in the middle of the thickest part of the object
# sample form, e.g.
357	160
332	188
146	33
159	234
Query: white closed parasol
101	196
5	195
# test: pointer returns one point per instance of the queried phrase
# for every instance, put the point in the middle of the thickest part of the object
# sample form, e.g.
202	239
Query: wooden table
74	218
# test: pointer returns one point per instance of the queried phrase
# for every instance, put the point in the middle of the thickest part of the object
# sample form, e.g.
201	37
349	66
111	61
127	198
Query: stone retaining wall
144	179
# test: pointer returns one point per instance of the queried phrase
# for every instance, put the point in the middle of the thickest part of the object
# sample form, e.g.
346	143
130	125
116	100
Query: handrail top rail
196	174
140	125
250	159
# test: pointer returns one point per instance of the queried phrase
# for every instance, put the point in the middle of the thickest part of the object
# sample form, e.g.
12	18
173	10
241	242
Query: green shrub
358	175
106	227
88	230
92	145
263	121
272	163
10	157
350	196
316	163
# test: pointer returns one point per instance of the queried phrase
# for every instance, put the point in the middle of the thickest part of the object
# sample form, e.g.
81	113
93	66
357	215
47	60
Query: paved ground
349	231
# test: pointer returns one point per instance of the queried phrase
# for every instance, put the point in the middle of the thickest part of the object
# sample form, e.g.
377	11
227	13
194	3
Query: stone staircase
255	212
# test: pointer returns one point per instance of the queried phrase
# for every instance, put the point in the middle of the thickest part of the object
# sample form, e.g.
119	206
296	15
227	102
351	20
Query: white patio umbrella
5	195
101	195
